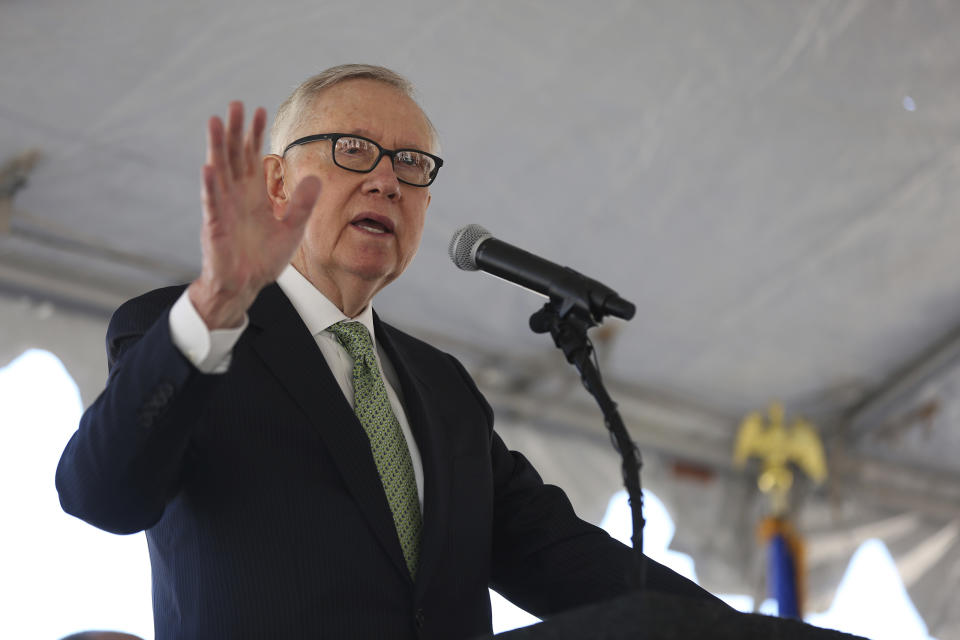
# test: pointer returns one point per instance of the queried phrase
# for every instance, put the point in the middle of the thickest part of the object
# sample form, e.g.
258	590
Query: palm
243	241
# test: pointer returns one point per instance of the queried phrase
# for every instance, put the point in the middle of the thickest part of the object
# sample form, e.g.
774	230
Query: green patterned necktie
390	451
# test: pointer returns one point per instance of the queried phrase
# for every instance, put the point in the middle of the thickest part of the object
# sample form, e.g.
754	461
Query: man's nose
382	179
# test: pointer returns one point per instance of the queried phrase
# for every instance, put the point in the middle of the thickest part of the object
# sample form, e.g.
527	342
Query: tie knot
354	337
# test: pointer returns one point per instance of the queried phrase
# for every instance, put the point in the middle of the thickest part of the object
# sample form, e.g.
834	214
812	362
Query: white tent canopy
774	184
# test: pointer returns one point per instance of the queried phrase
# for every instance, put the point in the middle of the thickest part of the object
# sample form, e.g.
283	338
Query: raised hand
245	244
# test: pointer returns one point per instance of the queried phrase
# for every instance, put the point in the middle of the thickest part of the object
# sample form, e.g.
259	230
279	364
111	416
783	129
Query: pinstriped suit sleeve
121	467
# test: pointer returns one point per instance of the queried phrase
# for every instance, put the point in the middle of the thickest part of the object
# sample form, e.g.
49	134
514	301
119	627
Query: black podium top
655	616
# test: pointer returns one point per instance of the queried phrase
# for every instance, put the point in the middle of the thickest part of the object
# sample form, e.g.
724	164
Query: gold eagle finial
777	446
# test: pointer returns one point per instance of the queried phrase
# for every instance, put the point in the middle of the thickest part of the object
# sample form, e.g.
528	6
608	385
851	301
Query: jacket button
154	407
418	618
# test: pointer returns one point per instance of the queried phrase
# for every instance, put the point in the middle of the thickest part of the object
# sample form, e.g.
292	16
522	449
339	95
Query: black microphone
472	247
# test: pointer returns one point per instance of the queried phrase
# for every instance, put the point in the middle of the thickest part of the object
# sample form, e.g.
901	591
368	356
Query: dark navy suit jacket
263	510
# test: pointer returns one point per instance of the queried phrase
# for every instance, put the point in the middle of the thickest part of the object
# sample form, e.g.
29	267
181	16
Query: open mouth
375	225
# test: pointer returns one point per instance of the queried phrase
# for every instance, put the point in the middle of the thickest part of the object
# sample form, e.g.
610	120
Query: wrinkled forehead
370	108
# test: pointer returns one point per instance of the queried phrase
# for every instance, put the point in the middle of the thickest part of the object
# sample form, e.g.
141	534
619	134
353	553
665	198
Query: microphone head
463	246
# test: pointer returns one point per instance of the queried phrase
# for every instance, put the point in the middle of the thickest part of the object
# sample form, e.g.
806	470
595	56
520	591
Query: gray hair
291	111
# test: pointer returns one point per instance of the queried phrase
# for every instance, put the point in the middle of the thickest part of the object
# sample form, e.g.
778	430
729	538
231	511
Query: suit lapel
291	354
431	441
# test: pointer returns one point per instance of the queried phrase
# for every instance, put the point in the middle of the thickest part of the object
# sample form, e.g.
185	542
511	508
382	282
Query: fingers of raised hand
216	150
211	193
235	155
302	201
253	141
216	170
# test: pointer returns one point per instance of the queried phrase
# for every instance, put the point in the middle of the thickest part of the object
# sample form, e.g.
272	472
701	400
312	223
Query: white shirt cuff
209	351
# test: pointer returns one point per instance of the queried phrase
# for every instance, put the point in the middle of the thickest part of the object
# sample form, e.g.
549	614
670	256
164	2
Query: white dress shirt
210	351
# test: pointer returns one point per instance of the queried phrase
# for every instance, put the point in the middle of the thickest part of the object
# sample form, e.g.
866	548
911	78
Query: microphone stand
567	322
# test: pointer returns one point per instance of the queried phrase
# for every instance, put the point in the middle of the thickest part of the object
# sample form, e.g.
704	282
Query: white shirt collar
315	309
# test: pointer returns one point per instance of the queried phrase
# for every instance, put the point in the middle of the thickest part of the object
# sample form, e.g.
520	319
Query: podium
657	616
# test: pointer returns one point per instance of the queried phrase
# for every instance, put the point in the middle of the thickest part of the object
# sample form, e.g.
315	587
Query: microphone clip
576	291
567	323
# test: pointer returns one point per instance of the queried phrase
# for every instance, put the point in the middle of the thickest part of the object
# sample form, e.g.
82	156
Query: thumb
302	201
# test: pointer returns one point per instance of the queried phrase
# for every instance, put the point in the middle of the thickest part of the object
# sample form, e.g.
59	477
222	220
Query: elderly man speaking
303	469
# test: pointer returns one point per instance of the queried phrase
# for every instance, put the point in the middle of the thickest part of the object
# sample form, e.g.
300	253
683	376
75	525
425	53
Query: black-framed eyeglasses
356	153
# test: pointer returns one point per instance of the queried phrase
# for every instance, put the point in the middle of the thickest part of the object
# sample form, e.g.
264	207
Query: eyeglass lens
358	154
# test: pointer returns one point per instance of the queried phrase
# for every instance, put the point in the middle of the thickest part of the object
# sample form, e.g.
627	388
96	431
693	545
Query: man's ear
273	176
